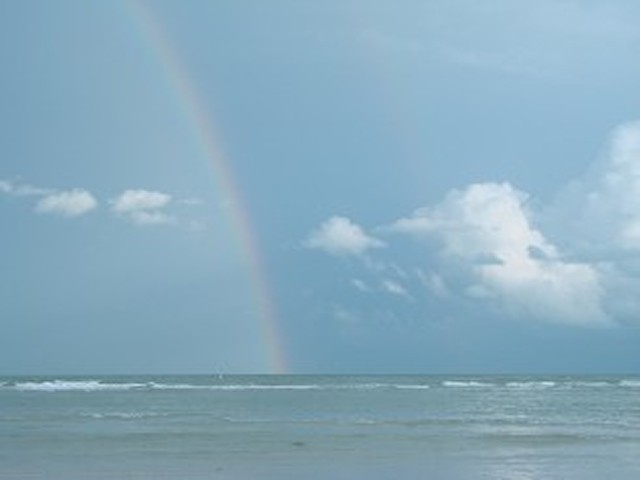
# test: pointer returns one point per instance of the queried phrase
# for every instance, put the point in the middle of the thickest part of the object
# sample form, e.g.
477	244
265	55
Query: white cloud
138	206
598	215
597	218
69	203
477	221
573	262
615	199
143	207
140	200
486	229
340	236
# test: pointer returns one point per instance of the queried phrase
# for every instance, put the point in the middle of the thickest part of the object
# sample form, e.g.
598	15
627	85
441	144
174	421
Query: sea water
320	427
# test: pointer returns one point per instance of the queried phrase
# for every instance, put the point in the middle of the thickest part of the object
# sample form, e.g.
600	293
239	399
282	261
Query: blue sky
445	186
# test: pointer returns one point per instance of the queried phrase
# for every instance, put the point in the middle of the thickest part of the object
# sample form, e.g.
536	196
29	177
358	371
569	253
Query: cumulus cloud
486	230
596	218
143	207
65	203
69	203
340	236
478	222
600	212
140	200
138	206
573	261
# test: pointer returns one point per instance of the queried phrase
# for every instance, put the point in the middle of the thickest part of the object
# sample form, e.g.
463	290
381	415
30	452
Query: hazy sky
349	186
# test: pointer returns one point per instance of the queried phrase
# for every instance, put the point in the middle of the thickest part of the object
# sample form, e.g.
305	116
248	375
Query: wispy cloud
360	285
434	283
144	218
191	202
18	189
340	236
395	288
69	203
345	316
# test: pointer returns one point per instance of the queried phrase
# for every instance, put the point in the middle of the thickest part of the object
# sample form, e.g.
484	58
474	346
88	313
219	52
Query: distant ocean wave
532	384
239	384
630	383
466	384
102	386
590	384
412	387
121	415
73	385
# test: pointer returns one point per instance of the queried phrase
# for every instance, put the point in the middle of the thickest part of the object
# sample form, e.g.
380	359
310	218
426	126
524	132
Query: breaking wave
531	384
67	385
630	383
238	385
466	384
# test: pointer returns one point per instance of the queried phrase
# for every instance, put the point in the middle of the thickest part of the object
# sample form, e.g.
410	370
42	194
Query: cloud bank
571	262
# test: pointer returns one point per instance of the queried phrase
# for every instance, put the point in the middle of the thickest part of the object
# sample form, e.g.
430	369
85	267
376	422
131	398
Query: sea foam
77	386
630	383
531	384
466	384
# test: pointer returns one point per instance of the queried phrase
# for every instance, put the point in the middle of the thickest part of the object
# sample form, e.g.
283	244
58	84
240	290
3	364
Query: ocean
320	427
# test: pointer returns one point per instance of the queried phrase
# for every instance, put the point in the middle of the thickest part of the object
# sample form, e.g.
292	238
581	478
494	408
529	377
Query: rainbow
201	122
